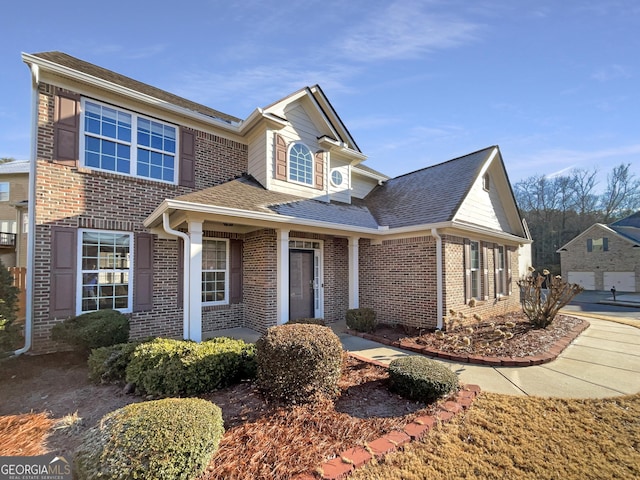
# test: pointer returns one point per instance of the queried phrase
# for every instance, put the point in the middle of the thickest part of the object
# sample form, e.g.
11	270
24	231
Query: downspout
186	304
31	212
439	289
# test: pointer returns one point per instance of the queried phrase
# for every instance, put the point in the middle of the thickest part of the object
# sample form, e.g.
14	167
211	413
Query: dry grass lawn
510	437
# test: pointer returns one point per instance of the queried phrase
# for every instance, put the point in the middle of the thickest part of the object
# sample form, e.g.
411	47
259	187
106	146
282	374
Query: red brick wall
82	198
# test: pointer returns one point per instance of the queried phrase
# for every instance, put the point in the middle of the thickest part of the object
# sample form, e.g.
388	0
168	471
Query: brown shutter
66	128
143	272
318	169
180	273
187	158
485	271
235	271
467	270
62	297
281	158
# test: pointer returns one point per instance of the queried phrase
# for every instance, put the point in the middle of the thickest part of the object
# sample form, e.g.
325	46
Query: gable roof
628	227
430	195
64	60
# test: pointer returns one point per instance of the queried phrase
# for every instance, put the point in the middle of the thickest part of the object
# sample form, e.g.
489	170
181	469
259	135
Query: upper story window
337	178
486	182
4	191
300	164
598	244
124	142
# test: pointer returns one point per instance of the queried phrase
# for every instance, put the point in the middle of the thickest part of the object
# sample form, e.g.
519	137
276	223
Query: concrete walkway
604	361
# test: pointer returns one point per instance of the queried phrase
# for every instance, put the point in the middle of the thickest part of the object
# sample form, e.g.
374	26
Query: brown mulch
485	339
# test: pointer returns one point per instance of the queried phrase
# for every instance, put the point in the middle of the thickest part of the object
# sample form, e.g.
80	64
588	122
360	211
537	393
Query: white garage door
623	281
586	280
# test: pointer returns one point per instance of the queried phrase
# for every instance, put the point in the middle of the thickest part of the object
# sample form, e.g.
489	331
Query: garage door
623	281
586	280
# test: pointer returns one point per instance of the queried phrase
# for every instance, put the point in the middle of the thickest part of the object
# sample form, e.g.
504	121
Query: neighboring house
191	220
14	183
605	256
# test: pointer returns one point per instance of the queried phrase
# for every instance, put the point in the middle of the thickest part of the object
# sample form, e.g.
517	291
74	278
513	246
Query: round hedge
422	379
173	438
296	363
85	332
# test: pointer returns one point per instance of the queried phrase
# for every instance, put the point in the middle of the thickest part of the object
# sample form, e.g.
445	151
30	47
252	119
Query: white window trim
226	275
297	182
79	269
342	176
133	144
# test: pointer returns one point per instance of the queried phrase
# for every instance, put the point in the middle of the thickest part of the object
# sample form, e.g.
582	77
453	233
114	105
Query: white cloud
611	72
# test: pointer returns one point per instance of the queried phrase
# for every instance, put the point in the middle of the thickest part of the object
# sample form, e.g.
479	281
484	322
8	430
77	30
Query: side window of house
215	274
598	244
105	271
475	269
501	271
300	164
4	191
119	141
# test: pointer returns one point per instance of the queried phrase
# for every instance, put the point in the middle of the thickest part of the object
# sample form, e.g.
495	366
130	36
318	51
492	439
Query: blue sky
554	83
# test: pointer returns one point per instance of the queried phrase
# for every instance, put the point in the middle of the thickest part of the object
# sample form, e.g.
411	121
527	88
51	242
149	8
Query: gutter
439	276
186	304
31	236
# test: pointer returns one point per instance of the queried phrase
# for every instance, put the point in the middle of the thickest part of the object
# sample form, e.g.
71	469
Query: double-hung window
4	191
123	142
105	271
300	164
215	271
475	269
501	271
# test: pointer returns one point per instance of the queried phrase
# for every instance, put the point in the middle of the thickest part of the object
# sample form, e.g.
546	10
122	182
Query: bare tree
622	195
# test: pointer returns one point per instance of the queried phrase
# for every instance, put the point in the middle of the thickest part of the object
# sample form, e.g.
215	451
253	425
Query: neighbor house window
475	269
300	164
598	244
105	271
215	264
4	191
119	141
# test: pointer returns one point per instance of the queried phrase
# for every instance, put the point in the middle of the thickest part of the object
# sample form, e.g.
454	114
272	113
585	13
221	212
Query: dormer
299	145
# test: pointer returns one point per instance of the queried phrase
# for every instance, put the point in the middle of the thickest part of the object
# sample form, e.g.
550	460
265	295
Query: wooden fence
20	280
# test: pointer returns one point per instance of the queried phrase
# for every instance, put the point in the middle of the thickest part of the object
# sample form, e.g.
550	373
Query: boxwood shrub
173	438
109	364
168	367
91	330
312	321
298	362
422	379
361	319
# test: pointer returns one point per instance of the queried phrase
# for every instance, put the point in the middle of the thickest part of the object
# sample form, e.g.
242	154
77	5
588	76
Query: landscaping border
545	357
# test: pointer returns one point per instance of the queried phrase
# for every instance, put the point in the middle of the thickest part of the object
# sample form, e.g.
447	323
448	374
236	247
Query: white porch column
195	275
283	276
354	287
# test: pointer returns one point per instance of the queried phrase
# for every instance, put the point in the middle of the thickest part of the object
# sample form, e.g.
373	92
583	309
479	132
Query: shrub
101	328
419	378
10	337
309	321
298	362
167	367
361	319
173	438
109	364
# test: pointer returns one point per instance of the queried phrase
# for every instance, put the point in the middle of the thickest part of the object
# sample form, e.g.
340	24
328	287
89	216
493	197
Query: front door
301	284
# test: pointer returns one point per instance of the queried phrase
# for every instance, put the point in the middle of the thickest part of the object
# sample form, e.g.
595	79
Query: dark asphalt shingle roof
247	194
628	227
110	76
426	196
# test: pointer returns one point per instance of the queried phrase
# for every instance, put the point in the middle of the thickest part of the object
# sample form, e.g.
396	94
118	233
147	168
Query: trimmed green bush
361	319
109	364
298	362
165	366
85	332
173	438
309	321
419	378
10	337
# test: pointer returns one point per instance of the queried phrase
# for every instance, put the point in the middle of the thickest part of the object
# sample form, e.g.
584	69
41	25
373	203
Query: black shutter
143	272
62	298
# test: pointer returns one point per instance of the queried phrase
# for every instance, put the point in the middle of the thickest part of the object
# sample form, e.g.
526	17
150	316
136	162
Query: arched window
300	164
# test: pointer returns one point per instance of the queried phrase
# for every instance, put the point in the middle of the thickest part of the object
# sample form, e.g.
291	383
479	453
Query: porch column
354	287
282	257
195	281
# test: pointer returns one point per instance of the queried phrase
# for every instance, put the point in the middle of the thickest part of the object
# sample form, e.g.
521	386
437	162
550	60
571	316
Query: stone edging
545	357
347	461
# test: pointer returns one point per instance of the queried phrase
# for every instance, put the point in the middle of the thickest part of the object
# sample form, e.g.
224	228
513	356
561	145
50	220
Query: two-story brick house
192	220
